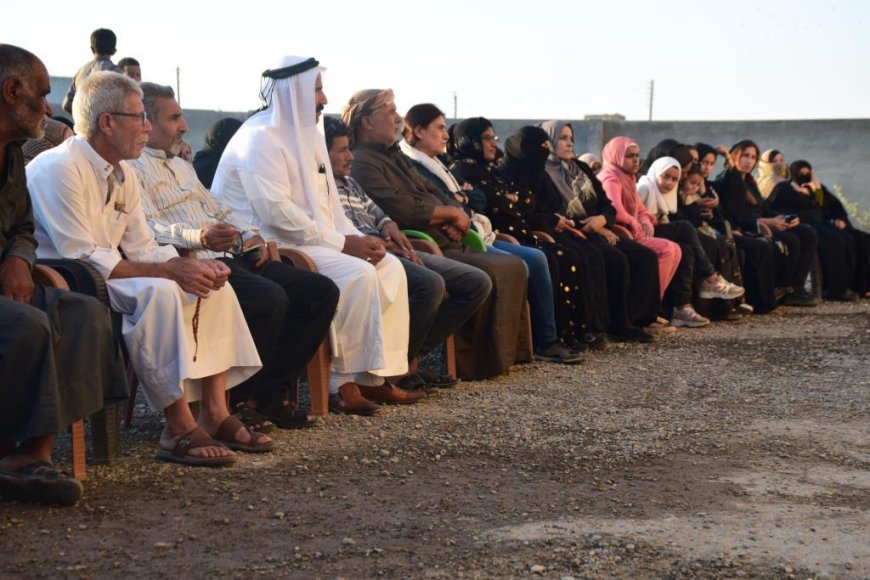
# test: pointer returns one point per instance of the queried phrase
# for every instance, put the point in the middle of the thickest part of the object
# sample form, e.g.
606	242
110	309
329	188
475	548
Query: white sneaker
689	318
721	288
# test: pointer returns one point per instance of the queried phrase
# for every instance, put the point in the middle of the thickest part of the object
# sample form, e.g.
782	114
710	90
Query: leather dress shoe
387	393
350	401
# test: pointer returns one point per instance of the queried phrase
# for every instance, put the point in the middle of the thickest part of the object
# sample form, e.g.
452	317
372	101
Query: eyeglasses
489	138
143	116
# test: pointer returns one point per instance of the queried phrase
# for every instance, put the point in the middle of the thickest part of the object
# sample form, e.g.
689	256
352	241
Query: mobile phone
790	217
252	254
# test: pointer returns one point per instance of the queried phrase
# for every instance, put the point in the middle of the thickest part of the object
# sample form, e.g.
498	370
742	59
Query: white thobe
370	329
78	217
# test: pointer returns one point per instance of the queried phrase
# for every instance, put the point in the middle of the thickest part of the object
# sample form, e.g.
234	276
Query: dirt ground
739	450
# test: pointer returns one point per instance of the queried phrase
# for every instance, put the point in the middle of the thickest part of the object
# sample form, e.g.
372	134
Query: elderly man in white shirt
275	174
183	328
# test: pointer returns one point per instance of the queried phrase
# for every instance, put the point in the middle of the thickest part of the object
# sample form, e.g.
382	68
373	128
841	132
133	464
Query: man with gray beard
59	359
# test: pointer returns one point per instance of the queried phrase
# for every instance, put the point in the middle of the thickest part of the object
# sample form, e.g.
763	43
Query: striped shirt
359	208
178	206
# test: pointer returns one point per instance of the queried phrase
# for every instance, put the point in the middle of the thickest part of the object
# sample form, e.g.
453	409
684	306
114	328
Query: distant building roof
605	117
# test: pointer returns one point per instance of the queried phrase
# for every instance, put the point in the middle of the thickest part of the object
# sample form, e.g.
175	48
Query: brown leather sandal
226	434
195	439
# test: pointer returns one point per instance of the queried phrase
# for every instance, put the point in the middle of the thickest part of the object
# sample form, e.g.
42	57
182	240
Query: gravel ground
739	450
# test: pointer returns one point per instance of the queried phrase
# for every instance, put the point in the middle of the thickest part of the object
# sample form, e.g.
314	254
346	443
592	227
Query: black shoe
437	380
286	416
40	482
558	353
630	335
847	296
595	340
801	298
411	383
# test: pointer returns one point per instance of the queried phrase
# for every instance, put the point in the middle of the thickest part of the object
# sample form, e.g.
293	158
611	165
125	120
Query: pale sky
504	59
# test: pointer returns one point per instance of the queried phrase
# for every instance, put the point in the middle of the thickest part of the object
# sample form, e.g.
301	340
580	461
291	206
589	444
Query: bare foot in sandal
196	447
238	437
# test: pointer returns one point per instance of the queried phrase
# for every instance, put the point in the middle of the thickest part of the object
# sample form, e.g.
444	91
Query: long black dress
793	251
524	165
838	248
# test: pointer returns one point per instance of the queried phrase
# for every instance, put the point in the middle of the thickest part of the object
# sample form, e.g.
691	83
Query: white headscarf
289	131
433	164
659	203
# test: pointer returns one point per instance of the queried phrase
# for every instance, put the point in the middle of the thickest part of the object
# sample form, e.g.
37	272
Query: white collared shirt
78	217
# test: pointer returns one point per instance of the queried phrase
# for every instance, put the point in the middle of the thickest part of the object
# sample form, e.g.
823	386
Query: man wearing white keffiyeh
275	174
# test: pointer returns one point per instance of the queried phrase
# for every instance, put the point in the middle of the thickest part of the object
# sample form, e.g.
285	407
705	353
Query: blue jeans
540	290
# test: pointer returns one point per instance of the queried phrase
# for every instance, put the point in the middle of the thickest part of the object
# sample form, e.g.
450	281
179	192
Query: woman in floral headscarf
772	171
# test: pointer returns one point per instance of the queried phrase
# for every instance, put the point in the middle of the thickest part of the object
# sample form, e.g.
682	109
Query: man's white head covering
284	143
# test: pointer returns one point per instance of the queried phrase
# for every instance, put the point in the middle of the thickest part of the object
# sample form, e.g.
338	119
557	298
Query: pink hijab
619	185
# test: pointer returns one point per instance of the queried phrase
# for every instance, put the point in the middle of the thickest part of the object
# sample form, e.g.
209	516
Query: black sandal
40	482
287	416
253	419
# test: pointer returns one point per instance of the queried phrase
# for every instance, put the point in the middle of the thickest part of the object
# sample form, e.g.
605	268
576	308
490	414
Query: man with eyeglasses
184	330
288	310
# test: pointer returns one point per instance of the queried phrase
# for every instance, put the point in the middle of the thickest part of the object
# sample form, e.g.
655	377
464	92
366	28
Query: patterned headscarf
770	174
362	104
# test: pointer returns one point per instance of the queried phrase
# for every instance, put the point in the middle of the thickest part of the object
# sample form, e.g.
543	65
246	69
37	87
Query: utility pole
652	86
178	85
455	105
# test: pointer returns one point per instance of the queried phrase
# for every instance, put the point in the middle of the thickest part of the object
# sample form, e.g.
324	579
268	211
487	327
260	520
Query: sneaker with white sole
721	288
689	318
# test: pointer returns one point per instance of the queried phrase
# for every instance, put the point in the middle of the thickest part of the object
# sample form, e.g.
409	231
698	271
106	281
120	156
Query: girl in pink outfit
621	158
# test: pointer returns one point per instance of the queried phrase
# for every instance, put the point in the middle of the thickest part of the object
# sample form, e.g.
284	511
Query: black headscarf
704	150
206	160
525	159
796	166
525	156
662	149
683	154
467	139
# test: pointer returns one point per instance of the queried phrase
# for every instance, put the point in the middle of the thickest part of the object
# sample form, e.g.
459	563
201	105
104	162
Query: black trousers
862	260
757	264
837	254
644	302
694	263
288	312
802	243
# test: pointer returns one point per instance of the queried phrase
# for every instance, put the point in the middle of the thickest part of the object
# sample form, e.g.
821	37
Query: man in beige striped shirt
288	311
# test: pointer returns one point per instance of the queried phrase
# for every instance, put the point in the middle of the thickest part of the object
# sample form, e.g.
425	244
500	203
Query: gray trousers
441	297
58	363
